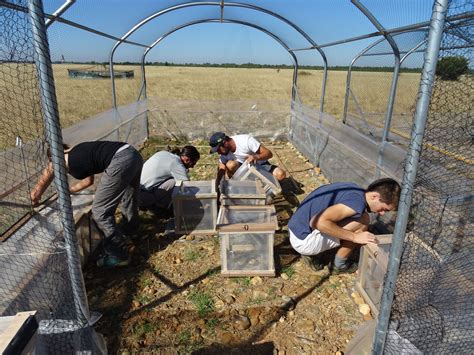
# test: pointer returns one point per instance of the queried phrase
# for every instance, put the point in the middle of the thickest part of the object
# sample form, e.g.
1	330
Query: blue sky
324	20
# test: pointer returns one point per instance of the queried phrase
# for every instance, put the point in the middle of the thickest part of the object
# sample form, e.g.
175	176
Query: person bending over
159	175
235	150
121	166
336	216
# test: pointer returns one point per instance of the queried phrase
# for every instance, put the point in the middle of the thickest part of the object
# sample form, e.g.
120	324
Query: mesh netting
433	309
38	250
40	266
365	111
188	120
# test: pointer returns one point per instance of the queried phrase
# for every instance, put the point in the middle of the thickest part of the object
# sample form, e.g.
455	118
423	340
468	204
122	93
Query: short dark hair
389	190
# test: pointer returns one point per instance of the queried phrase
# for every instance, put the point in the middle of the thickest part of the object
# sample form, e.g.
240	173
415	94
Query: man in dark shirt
336	215
121	166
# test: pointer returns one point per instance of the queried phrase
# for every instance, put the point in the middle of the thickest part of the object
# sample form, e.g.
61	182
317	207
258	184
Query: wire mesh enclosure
433	297
354	122
247	234
195	207
249	172
235	192
39	256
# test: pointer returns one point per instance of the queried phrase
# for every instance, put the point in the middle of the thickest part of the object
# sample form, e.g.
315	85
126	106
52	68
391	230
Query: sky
324	21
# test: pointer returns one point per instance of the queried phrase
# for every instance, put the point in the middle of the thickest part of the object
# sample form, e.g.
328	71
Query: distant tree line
448	68
252	66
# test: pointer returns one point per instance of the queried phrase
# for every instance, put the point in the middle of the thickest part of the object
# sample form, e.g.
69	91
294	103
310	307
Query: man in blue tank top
336	216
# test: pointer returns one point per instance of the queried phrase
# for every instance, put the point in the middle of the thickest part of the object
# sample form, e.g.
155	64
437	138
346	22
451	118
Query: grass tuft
289	271
144	328
202	301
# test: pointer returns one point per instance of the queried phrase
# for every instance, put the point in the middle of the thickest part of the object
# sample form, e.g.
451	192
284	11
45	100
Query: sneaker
347	269
116	246
112	261
314	262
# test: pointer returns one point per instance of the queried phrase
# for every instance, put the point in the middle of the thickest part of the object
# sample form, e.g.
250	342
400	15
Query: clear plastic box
254	172
373	262
247	234
195	207
235	192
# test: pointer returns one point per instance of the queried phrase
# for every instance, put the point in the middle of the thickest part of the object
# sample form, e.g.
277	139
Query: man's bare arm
327	223
262	153
43	182
82	184
220	172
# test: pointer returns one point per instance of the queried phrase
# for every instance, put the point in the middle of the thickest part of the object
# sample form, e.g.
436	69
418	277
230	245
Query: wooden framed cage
254	172
246	234
195	207
373	262
241	192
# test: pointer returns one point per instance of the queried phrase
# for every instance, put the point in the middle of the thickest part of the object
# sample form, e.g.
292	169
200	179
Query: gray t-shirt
161	167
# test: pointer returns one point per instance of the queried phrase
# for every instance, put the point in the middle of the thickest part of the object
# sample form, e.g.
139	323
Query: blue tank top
316	202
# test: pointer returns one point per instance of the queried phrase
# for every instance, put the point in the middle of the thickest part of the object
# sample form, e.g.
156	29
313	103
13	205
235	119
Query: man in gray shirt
159	176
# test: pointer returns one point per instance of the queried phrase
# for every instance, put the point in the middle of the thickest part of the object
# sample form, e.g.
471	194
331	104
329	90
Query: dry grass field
82	98
79	99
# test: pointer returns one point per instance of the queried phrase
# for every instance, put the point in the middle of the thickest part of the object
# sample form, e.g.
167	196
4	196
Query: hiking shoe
112	261
314	262
116	246
347	269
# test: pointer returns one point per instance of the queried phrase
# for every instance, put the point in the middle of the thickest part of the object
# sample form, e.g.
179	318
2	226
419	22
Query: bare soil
172	299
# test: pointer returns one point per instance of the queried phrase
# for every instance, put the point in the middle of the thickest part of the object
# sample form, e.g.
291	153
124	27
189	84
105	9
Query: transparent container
247	235
235	192
195	207
254	172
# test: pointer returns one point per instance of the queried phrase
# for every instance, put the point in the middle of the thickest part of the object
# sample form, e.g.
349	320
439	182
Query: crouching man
336	216
235	150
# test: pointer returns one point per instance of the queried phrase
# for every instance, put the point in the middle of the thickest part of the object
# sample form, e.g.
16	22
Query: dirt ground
172	299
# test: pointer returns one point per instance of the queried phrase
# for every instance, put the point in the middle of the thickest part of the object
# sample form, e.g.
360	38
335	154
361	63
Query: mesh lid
241	171
191	188
244	187
249	218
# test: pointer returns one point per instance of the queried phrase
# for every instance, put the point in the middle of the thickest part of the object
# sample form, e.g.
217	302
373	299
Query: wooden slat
243	273
14	325
373	308
224	245
246	228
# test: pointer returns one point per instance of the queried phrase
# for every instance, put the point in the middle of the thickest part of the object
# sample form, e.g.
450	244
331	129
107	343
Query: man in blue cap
237	149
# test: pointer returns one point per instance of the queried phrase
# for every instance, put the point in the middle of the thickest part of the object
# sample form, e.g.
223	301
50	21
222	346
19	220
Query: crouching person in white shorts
336	216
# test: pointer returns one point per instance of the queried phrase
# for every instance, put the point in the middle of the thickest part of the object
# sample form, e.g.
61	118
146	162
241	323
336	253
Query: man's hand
34	200
364	238
251	159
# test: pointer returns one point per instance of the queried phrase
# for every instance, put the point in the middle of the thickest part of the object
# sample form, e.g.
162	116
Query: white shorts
314	243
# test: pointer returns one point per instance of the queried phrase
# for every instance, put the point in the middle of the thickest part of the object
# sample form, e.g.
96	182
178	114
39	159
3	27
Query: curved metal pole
411	51
62	9
419	123
361	53
349	76
232	4
396	70
244	23
393	88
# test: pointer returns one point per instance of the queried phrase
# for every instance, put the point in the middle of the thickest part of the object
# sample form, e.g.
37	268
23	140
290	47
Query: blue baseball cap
216	140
